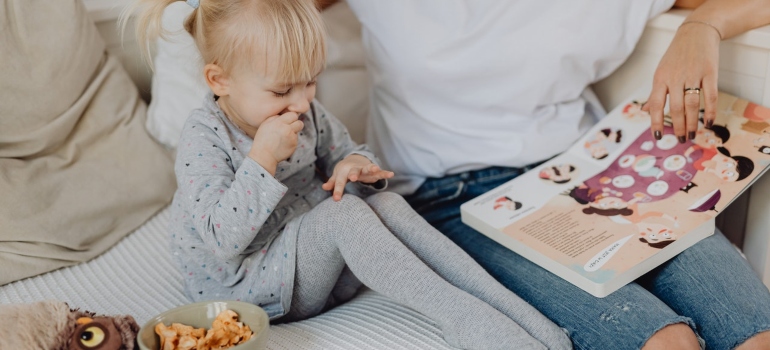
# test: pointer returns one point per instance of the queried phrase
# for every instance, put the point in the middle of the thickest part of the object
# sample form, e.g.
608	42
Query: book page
619	196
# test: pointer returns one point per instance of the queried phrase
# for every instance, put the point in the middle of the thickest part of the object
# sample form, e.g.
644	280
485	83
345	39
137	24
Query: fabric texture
709	286
334	234
52	325
488	82
235	228
78	171
41	325
139	277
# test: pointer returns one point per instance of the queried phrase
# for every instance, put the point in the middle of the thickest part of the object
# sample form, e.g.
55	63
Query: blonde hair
235	34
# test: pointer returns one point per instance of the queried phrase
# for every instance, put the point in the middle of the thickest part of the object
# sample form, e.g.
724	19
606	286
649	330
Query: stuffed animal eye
91	337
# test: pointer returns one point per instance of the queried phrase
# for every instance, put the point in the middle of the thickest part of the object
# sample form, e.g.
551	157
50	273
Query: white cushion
178	86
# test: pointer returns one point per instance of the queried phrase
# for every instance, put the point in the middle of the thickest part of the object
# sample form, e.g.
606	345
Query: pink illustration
507	203
758	119
559	174
604	142
707	140
651	170
633	112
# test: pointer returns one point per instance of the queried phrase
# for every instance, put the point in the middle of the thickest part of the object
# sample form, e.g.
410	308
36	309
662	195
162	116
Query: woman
467	95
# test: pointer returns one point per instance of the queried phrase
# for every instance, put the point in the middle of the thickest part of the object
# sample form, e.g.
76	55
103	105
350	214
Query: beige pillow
78	170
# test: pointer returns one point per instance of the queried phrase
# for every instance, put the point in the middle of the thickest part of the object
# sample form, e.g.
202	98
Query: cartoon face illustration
603	143
597	150
609	202
605	201
559	174
707	138
507	203
608	206
633	111
722	166
729	168
656	235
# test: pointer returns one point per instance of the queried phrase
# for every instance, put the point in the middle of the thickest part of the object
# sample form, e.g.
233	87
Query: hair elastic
193	3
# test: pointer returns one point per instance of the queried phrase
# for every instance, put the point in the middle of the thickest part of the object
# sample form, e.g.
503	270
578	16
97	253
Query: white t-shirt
461	85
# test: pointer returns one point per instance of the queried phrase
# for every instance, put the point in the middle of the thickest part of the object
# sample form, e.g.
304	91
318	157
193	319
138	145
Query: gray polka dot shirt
234	227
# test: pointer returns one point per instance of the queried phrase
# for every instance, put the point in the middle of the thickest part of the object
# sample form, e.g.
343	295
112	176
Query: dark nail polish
657	135
691	135
682	139
709	123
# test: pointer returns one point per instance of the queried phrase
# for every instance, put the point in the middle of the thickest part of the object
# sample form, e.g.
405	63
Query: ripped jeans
709	286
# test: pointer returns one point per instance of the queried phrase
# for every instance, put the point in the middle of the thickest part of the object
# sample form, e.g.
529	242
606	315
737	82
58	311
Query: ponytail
231	33
149	23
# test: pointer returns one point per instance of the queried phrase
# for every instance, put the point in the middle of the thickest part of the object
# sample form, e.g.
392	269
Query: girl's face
254	96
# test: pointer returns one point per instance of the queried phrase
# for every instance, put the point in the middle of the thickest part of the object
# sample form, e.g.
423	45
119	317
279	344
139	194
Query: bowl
202	315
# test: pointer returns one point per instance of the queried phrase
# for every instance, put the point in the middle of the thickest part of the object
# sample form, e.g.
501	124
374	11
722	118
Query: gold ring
691	90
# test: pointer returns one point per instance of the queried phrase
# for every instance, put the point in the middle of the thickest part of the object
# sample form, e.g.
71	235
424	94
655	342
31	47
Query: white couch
137	276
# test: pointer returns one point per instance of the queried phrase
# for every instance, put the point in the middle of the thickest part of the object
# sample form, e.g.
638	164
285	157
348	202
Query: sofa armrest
757	240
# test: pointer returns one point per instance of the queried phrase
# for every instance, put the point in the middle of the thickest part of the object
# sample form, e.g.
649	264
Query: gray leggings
393	251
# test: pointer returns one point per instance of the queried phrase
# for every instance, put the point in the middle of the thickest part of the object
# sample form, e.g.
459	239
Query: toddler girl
254	220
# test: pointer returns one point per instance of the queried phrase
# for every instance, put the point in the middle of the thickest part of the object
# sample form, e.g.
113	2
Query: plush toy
53	325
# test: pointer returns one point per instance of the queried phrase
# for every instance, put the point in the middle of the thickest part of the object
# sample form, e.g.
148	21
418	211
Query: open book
619	203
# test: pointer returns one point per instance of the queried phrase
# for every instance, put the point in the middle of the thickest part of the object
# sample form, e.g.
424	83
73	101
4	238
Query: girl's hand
354	168
276	140
691	62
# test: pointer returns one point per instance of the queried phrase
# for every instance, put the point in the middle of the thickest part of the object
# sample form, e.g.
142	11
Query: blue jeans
709	286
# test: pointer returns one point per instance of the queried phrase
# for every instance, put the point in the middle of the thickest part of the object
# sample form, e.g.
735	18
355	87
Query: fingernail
682	139
709	123
657	134
691	135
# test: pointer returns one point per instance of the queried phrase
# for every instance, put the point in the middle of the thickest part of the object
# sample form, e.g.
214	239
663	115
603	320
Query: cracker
225	332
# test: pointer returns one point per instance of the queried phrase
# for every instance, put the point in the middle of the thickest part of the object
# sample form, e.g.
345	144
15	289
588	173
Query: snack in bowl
208	325
225	332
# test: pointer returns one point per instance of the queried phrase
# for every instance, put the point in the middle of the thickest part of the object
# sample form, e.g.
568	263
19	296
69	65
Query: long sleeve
229	206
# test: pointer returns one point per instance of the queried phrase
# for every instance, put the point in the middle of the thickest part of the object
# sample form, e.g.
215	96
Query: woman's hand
354	168
687	70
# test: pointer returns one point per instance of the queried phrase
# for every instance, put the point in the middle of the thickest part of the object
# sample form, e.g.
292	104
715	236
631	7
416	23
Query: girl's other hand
691	62
276	140
354	168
